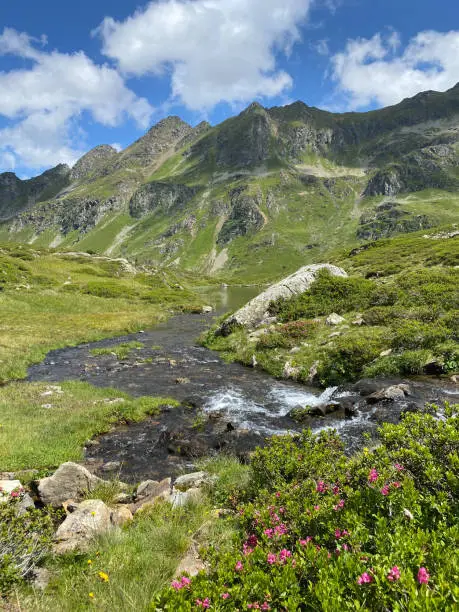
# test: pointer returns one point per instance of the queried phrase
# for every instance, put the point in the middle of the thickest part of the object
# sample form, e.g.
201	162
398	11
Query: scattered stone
335	335
254	361
334	319
70	481
120	516
179	499
41	578
324	409
295	350
207	309
91	517
150	492
188	481
291	371
123	498
359	321
25	503
455	379
386	353
111	466
182	381
313	371
191	564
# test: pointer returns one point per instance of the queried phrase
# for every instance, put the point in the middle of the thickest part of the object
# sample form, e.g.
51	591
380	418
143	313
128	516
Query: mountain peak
91	160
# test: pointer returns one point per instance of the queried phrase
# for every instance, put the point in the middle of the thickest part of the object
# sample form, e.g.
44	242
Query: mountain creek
224	407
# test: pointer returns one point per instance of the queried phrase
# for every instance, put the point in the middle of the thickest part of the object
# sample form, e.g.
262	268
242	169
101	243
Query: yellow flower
103	576
89	562
91	595
366	450
93	514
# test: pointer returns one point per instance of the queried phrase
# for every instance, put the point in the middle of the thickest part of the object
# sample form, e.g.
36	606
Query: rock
25	503
434	368
335	335
389	394
7	487
207	309
182	381
123	498
70	481
111	466
191	564
454	379
291	371
41	578
359	321
120	516
153	488
188	481
350	410
334	319
295	350
313	371
255	311
91	517
324	409
386	353
179	499
254	361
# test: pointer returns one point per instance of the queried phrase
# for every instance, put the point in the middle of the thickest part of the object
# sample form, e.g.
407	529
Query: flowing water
223	406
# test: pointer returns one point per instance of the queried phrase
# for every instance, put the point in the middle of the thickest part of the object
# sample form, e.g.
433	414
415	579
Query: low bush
322	531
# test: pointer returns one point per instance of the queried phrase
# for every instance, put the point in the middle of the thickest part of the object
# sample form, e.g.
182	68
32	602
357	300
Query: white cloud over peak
214	50
378	70
43	101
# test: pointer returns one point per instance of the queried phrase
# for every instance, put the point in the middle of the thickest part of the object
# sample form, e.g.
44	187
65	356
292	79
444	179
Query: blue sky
103	72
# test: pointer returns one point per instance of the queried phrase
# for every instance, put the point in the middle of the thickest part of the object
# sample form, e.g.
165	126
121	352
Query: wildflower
93	513
225	595
339	505
316	507
103	576
373	475
269	533
366	451
365	578
399	467
265	606
14	494
271	558
252	541
185	581
176	585
394	574
321	487
423	575
278	494
341	534
203	603
91	595
385	490
335	490
305	542
239	567
280	529
89	562
397	485
284	555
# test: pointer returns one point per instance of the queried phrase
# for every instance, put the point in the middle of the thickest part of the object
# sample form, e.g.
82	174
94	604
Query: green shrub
274	340
322	531
25	539
405	364
415	335
109	289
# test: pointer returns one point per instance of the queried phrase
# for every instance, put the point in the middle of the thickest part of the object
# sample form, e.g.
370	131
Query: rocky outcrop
245	217
17	195
390	219
256	310
90	518
70	481
91	161
164	196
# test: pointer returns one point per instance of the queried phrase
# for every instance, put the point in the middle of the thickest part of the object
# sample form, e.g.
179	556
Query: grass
50	300
120	351
64	416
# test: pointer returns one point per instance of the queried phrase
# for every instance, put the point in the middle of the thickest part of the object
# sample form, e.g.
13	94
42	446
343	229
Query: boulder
290	371
188	481
389	394
70	481
256	310
191	564
89	519
120	516
334	319
151	491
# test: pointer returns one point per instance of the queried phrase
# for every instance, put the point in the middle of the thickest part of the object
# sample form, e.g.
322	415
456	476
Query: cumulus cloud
214	50
378	70
43	102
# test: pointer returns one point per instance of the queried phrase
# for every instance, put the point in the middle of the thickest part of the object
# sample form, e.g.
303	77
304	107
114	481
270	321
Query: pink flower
305	542
335	490
345	547
365	578
265	606
339	505
280	529
284	555
385	490
321	487
14	494
246	550
341	534
278	494
181	584
239	567
176	585
225	595
316	507
272	558
399	467
185	581
394	574
396	485
423	575
269	533
204	603
373	475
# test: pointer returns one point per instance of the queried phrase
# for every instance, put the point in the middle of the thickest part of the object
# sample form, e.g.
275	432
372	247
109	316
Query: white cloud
378	71
214	50
44	101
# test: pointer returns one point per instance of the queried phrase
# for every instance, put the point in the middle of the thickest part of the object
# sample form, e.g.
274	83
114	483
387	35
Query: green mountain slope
257	195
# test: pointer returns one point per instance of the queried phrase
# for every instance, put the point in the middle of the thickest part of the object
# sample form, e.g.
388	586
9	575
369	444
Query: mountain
258	195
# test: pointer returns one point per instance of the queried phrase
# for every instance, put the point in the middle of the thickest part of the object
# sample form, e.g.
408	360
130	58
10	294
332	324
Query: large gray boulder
256	310
70	481
89	519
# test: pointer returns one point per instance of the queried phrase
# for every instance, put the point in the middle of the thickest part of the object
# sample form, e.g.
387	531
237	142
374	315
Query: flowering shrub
322	531
25	538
